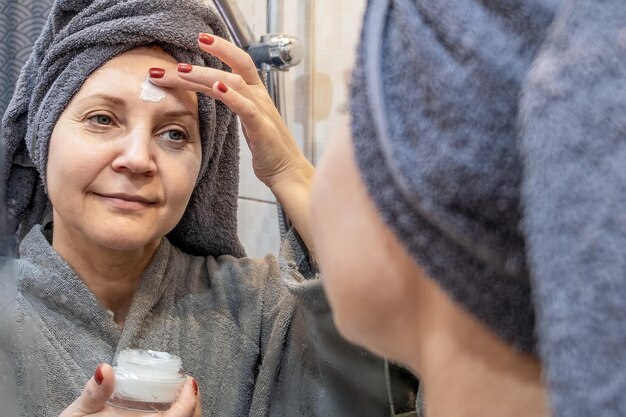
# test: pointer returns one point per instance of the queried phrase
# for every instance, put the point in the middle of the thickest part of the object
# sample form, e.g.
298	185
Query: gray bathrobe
256	344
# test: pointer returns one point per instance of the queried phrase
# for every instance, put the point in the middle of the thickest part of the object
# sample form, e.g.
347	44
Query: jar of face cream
146	380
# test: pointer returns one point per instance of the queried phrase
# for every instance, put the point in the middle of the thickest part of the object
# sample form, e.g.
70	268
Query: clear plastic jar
146	380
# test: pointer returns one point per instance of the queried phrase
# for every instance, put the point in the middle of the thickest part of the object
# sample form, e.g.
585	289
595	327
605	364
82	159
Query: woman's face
121	170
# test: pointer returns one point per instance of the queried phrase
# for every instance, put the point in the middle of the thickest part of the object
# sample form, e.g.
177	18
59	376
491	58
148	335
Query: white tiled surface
258	228
315	93
337	30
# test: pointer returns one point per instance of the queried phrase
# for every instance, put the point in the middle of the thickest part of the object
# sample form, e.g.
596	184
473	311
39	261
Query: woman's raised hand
275	155
92	401
276	159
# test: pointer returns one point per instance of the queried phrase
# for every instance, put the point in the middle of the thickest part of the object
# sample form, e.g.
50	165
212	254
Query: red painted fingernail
184	68
156	72
195	386
206	39
97	376
222	87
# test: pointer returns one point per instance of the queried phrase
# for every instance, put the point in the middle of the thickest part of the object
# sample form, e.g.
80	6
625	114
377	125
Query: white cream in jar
146	380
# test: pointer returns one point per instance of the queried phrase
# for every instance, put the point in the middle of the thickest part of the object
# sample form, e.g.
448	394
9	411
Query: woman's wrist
292	189
299	174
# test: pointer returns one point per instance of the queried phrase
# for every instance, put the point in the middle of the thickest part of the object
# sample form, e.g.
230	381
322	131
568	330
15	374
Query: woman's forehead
124	77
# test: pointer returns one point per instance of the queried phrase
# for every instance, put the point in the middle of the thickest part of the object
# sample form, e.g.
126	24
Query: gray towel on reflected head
79	37
434	106
491	136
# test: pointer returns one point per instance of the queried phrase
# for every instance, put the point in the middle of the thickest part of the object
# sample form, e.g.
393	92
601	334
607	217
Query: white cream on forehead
151	92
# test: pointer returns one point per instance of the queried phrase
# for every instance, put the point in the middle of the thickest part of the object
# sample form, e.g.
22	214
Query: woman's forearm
293	192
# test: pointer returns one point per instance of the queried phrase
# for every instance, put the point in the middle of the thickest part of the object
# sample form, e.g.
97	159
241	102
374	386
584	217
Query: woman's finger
198	410
198	79
95	395
185	404
170	79
209	76
236	58
247	110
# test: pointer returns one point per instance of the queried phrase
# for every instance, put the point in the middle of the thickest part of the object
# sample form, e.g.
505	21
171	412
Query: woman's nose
136	154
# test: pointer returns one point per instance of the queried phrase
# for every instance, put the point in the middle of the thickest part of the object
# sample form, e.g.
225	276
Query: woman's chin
111	234
126	242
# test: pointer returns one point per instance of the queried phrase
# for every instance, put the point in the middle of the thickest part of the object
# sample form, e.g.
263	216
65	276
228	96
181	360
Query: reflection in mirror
124	215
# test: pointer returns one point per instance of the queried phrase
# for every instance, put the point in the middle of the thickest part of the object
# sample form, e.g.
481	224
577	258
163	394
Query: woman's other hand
92	401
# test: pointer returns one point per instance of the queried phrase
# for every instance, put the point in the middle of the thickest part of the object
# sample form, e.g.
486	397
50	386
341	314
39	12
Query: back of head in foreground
487	161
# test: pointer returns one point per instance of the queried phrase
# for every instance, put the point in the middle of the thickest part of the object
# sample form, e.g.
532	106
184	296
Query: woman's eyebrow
180	113
103	97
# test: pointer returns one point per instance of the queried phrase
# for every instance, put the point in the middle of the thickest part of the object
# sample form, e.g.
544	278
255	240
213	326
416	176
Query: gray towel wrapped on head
79	37
491	135
434	106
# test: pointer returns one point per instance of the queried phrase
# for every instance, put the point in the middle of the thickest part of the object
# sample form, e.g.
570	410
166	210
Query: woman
124	196
478	200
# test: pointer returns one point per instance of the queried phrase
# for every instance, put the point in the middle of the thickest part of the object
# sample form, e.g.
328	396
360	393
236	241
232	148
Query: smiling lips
127	202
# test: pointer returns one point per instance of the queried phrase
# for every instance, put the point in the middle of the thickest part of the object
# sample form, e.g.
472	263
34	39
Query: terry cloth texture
78	38
491	136
257	334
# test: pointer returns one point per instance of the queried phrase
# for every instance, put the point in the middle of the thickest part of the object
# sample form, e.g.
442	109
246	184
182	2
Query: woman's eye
101	119
174	135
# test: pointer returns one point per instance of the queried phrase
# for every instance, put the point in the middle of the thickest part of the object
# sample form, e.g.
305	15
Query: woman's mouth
127	202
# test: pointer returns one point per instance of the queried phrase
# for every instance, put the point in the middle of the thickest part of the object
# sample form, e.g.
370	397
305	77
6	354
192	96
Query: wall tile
336	32
258	228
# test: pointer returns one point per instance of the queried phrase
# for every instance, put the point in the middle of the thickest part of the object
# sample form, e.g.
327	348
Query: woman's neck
113	276
469	372
493	383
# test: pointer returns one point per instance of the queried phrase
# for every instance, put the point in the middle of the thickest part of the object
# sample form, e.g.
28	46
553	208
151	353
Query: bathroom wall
315	94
